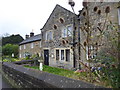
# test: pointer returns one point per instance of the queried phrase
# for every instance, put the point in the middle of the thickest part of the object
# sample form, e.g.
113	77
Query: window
19	55
119	15
20	47
62	54
49	35
67	31
32	45
86	52
40	44
64	32
67	55
69	28
24	46
57	54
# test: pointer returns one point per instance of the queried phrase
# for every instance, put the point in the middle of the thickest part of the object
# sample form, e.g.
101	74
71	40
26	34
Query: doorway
46	57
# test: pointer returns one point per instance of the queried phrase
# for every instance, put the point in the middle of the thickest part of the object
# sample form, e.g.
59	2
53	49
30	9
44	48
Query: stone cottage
30	46
58	37
99	22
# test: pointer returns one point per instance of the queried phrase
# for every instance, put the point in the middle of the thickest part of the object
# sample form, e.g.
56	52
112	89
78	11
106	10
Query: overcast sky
21	16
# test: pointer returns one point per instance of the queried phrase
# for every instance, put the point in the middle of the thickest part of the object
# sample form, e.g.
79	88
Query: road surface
4	83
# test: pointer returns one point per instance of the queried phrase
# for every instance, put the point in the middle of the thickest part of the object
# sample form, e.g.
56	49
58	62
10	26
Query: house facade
30	46
57	38
70	41
99	26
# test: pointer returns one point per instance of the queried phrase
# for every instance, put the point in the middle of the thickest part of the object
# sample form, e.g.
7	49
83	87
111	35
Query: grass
84	76
10	60
57	71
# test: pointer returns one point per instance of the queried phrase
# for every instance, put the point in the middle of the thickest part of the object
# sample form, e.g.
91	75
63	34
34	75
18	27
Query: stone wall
29	78
99	29
59	42
33	51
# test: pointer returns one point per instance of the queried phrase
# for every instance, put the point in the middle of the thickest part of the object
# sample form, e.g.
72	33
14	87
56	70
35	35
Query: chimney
31	34
26	36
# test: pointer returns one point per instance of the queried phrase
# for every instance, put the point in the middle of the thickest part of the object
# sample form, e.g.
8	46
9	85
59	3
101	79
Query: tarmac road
4	83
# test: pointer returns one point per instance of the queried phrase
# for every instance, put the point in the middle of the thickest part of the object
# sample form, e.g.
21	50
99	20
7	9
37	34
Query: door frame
48	55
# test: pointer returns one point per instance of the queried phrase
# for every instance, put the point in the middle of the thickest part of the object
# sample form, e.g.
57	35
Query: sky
24	16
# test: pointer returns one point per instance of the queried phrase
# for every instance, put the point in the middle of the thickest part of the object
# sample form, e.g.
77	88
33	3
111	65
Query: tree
12	39
8	49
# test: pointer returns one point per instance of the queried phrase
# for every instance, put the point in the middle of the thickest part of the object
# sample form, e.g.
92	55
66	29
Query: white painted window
57	54
86	52
20	47
32	45
64	32
49	35
24	46
62	54
67	52
19	55
69	30
119	15
40	44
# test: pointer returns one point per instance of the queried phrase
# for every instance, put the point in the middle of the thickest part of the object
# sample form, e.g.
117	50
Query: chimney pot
26	36
31	34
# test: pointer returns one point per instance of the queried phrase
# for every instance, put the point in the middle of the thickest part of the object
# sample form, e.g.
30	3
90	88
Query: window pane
32	45
62	54
119	15
64	32
57	54
50	35
69	28
67	55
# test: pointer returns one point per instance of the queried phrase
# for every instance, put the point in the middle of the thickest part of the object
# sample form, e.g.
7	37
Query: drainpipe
72	4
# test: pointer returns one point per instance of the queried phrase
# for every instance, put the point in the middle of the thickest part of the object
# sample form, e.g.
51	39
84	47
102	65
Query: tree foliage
13	39
8	49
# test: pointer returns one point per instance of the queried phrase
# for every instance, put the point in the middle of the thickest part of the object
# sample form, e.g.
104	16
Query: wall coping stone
52	79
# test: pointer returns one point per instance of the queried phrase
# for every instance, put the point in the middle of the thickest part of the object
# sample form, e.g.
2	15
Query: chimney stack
31	34
26	36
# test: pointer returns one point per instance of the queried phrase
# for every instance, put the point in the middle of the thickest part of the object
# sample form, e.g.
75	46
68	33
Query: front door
46	57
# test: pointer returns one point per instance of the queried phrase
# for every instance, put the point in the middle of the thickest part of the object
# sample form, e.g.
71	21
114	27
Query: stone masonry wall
28	78
98	18
57	42
36	49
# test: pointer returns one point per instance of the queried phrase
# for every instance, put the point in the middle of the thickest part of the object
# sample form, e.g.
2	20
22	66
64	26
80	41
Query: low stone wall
29	78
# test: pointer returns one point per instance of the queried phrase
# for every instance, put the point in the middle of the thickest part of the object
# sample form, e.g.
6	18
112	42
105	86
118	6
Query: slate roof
31	39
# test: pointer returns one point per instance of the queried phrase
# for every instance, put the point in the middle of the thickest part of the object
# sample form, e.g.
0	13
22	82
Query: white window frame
86	52
64	49
20	55
66	32
69	32
49	36
119	15
20	47
63	54
32	45
24	46
40	44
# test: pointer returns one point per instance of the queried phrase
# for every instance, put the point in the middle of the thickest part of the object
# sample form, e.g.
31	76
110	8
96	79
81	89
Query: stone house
98	22
58	38
30	46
